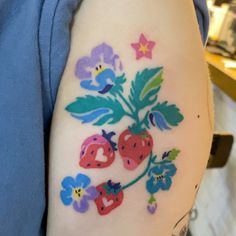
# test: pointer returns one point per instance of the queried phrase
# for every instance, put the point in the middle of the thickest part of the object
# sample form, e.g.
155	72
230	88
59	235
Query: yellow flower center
99	69
77	193
159	177
143	48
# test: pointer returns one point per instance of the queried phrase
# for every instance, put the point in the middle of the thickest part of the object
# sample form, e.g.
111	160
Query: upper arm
152	106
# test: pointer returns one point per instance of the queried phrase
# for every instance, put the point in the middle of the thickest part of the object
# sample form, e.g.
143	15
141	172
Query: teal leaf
104	120
96	110
89	117
118	85
165	115
145	87
112	188
136	129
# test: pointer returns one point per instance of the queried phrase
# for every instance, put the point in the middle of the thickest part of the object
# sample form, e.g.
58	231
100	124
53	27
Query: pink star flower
144	47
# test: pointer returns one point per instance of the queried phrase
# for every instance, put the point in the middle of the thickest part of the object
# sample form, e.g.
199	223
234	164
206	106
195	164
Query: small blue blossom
160	177
76	191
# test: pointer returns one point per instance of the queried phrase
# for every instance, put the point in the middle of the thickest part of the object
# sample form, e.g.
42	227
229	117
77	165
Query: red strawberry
90	147
110	197
134	148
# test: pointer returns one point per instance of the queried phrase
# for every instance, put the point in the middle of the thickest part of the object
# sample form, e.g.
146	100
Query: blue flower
160	177
76	191
102	82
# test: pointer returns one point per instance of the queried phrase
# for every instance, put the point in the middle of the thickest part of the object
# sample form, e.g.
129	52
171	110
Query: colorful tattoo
102	72
77	192
90	149
110	196
143	48
134	148
98	71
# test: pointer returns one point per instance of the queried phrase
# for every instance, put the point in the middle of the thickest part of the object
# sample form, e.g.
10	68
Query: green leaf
152	199
145	87
104	120
96	110
118	85
154	83
170	113
173	154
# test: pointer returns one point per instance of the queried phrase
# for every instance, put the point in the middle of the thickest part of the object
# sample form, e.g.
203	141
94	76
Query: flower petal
68	182
166	183
157	170
159	120
93	193
88	84
82	180
152	186
103	53
83	67
171	170
66	196
81	206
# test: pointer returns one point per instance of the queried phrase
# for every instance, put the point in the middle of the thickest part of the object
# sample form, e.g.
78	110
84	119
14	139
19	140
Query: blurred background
214	213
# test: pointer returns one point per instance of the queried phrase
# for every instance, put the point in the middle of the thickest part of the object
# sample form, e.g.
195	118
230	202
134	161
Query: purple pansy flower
98	71
76	191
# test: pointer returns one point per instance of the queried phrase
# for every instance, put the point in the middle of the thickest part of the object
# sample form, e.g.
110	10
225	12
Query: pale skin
173	27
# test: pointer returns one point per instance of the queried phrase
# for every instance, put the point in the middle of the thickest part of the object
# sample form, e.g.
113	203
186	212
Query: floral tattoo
102	73
76	191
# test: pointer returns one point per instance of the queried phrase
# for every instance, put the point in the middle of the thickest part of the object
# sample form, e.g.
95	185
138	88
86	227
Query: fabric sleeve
203	17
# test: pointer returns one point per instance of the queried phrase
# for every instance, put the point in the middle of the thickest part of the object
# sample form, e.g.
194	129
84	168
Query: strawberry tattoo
134	148
103	73
90	147
110	197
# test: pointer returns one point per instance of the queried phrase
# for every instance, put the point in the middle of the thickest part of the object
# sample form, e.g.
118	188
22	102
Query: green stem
134	181
129	115
142	122
126	102
134	113
160	162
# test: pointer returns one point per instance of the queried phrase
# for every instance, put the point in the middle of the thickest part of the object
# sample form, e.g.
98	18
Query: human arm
178	59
